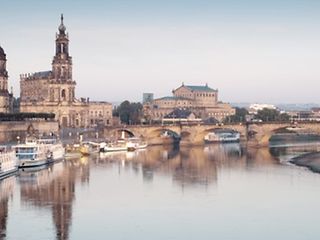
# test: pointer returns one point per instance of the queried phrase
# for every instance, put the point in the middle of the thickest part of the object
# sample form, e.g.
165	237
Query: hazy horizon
252	51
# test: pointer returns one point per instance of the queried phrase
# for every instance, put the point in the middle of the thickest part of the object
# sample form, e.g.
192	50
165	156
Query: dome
2	54
62	28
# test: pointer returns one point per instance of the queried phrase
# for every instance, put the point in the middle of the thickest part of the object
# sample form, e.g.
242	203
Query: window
63	94
51	94
64	121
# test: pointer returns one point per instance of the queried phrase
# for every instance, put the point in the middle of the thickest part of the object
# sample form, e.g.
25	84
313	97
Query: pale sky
252	51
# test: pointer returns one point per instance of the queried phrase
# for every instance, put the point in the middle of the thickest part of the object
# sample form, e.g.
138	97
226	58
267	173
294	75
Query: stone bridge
254	134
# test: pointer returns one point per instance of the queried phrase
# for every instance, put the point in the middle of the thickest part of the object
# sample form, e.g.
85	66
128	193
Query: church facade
54	91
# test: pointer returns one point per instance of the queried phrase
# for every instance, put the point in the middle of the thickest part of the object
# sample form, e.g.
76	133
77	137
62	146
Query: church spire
62	63
62	28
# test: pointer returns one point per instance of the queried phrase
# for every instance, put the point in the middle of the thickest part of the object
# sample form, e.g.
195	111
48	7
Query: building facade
5	97
201	100
254	108
54	91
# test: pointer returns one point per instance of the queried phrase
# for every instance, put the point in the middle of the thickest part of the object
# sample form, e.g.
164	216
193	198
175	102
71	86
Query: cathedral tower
54	91
4	94
62	62
62	68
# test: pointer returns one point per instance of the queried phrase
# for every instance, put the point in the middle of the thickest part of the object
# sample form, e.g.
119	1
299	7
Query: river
211	192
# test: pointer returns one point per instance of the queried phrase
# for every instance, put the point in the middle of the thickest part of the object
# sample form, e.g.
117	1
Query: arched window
51	95
63	72
63	94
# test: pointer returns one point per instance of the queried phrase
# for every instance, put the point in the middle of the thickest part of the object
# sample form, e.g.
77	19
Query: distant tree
267	115
284	117
129	113
239	116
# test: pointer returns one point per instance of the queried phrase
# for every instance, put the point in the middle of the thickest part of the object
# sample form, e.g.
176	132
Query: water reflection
54	187
294	149
6	190
196	169
186	166
193	166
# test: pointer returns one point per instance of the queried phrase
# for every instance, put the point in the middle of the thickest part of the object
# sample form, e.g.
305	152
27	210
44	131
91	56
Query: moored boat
73	151
37	152
135	144
84	150
128	144
87	148
222	137
116	146
8	162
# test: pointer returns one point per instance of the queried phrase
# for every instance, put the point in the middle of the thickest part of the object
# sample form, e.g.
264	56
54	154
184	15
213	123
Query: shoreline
308	160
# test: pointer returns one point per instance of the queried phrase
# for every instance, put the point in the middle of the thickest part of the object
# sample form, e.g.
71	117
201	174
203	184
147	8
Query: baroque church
54	91
5	97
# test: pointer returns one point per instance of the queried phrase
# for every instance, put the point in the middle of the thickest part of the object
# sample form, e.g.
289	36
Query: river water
211	192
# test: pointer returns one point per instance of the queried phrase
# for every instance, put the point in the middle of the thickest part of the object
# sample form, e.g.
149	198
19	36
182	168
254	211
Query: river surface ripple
211	192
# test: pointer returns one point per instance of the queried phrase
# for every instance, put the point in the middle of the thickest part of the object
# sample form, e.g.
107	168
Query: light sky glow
252	51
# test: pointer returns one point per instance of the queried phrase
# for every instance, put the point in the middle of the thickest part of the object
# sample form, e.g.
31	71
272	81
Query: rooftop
200	88
173	98
38	75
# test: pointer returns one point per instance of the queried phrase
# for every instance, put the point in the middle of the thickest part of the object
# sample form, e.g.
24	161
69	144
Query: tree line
264	115
129	112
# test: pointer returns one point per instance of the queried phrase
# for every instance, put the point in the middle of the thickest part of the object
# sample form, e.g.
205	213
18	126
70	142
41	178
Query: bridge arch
260	135
163	131
117	133
203	133
163	136
194	135
127	133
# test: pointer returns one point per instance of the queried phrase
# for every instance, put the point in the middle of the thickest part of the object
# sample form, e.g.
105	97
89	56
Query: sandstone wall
9	131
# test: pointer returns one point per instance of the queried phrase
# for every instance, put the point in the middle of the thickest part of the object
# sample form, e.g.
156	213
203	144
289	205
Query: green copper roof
200	88
172	98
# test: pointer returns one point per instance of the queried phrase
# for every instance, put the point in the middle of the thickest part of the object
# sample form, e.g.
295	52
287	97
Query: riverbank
309	160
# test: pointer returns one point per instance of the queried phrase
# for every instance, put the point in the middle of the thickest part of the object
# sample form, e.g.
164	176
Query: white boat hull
129	144
33	163
115	149
35	155
222	138
8	164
